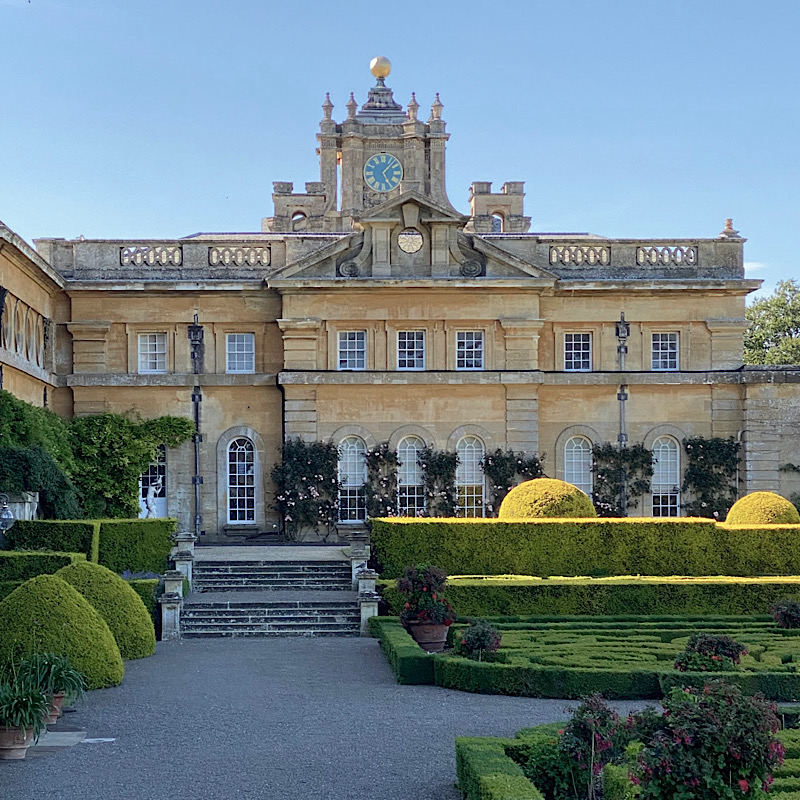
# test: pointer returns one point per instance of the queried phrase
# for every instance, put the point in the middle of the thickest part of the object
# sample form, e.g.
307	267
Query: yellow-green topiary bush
119	605
47	615
546	497
763	508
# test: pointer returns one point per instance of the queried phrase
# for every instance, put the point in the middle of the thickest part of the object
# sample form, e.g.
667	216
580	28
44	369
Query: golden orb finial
380	66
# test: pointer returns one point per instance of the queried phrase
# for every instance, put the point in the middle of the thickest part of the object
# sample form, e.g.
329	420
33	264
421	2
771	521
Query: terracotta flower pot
14	742
429	636
56	702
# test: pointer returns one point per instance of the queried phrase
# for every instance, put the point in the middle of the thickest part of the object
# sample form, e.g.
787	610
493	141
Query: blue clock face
383	172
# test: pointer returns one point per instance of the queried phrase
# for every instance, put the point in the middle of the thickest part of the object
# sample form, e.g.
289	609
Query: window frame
406	490
470	495
676	352
140	337
251	353
661	497
250	485
416	332
339	351
354	492
565	351
474	333
569	464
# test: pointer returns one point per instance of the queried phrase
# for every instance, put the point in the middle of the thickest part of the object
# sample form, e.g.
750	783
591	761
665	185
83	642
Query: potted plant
426	615
23	706
56	677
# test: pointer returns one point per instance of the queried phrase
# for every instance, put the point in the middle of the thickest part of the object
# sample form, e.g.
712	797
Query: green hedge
475	597
631	546
146	588
485	772
528	680
119	605
70	536
20	566
410	663
138	545
780	686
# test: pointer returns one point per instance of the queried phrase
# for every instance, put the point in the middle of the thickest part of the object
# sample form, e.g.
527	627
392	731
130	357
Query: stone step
268	623
306	566
261	585
231	633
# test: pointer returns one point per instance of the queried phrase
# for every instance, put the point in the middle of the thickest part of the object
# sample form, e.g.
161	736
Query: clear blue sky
624	118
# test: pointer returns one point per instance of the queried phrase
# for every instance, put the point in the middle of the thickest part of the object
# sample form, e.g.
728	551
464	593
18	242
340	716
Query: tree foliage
439	479
381	485
773	334
710	476
505	469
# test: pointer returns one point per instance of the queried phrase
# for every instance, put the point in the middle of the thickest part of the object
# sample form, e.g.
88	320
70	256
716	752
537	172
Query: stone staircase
271	591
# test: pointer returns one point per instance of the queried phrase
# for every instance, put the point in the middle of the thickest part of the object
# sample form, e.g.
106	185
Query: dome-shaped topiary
118	604
46	615
546	497
763	508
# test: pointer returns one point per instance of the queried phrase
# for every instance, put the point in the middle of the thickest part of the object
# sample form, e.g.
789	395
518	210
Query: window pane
152	352
240	349
241	481
578	352
666	477
665	351
469	477
469	350
411	350
352	349
578	464
410	489
352	476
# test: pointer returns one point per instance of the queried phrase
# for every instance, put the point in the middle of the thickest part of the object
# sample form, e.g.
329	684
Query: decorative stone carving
666	255
152	255
349	269
580	254
471	268
239	255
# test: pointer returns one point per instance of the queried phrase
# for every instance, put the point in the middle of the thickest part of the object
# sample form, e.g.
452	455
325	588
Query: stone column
359	554
367	597
183	554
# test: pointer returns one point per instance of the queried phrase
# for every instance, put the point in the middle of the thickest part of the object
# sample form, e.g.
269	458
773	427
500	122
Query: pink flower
744	786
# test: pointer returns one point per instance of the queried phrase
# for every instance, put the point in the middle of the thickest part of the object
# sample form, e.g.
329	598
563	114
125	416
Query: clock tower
376	154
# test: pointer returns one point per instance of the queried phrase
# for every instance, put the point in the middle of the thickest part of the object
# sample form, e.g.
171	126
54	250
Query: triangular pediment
430	209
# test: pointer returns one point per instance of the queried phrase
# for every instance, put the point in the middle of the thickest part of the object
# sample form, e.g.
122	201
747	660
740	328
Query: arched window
666	477
299	221
469	477
352	476
154	503
410	485
498	223
578	463
241	482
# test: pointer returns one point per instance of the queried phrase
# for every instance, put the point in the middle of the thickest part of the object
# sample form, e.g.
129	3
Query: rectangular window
578	352
152	352
666	504
352	349
665	351
411	350
469	350
240	349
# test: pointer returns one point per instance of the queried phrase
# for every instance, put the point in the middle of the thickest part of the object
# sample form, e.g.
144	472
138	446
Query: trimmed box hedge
69	536
485	772
138	545
410	663
526	596
18	566
629	546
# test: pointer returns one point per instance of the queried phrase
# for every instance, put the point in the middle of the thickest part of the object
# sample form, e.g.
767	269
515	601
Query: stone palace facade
369	309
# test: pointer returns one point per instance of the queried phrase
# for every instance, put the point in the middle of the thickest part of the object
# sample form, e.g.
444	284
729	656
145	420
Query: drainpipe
195	334
623	331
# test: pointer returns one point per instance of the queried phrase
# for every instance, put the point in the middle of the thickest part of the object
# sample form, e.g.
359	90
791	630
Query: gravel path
290	719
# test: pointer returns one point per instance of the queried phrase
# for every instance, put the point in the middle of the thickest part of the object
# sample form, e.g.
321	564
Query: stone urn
14	742
430	636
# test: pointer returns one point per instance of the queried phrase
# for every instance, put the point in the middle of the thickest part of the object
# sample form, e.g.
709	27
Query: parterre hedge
138	545
596	547
523	596
20	566
485	772
410	663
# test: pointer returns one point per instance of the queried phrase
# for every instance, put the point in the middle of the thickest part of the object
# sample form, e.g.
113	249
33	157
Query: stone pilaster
761	439
522	343
727	342
522	418
300	343
300	413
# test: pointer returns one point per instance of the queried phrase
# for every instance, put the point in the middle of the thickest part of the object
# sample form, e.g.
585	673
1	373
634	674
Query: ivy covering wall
88	466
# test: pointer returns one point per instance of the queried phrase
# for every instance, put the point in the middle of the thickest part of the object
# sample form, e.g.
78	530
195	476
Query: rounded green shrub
47	615
119	605
763	508
546	497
